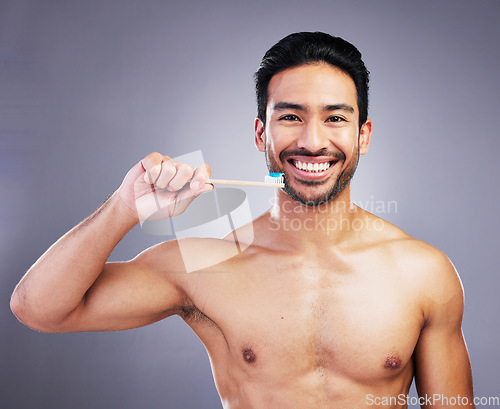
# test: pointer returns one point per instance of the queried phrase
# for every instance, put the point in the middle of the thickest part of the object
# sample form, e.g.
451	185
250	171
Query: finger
201	174
152	174
183	175
152	166
167	172
186	196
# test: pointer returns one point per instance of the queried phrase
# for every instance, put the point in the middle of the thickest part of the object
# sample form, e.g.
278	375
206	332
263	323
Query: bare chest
357	324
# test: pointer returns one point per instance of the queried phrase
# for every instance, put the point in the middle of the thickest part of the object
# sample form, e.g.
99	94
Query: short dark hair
309	48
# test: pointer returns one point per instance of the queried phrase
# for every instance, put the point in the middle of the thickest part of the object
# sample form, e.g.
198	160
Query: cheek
355	147
275	143
270	144
347	142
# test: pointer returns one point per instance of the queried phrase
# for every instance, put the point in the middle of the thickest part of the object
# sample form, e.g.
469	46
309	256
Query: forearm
56	284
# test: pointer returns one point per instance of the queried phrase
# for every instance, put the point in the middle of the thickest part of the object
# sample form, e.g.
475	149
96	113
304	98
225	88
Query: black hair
309	48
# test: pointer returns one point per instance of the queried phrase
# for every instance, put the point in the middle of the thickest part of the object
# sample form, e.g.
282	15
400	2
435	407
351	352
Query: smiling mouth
312	167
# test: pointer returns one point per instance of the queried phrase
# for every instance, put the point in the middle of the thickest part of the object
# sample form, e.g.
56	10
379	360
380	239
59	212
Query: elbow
18	302
27	315
15	306
18	307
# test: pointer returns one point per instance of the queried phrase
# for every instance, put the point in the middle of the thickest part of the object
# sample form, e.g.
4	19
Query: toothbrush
271	180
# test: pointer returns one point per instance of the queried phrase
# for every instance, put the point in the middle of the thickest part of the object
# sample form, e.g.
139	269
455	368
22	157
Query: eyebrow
298	107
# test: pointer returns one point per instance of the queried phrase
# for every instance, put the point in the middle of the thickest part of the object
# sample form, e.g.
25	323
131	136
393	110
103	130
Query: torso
287	330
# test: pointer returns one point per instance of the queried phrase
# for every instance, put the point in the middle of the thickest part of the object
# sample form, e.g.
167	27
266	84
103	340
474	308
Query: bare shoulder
424	266
187	255
416	254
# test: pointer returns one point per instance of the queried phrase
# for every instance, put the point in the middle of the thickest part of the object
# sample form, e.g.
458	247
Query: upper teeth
311	167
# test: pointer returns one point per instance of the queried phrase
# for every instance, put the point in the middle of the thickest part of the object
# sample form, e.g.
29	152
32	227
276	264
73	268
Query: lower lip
303	174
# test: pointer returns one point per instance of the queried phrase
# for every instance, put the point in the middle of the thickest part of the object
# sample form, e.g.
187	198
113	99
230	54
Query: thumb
207	187
187	196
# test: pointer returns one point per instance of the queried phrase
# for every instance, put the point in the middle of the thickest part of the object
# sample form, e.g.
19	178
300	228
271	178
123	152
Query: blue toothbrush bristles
276	178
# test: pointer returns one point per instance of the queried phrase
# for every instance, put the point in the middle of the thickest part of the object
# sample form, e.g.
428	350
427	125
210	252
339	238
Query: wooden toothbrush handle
244	183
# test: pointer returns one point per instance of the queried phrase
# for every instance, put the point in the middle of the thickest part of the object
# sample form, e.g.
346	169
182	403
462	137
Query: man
342	310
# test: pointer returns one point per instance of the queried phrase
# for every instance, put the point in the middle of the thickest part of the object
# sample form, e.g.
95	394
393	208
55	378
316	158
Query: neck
302	226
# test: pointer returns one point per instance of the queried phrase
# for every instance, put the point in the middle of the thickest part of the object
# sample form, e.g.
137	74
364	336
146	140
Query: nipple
392	362
249	355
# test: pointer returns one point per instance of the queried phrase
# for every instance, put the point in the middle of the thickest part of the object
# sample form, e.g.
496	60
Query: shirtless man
305	317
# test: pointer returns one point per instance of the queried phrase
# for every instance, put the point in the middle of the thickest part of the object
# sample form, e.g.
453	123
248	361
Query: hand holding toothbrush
163	187
158	185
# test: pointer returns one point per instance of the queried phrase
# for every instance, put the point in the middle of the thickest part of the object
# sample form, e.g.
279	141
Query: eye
335	118
289	117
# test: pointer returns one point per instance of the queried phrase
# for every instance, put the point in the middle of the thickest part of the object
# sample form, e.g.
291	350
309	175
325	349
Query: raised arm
442	367
72	288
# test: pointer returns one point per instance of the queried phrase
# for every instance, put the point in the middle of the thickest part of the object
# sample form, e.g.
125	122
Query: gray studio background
87	88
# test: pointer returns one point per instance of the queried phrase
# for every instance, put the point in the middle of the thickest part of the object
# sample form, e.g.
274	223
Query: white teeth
311	167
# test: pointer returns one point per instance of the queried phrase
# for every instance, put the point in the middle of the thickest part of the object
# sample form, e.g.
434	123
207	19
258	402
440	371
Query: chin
311	199
316	198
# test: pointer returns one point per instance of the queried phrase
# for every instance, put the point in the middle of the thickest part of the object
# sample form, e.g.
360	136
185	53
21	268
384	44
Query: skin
328	304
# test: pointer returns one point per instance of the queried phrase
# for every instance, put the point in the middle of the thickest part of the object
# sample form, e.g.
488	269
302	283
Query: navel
392	362
249	356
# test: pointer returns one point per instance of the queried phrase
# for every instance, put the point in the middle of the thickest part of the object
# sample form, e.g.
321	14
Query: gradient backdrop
87	88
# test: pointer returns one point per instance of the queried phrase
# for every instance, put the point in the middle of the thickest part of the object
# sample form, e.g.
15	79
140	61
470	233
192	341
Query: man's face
312	133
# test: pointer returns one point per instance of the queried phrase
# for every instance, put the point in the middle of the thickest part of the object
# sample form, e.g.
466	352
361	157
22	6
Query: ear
260	136
364	136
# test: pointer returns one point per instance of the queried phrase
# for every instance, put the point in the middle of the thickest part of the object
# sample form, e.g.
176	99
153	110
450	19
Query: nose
313	137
